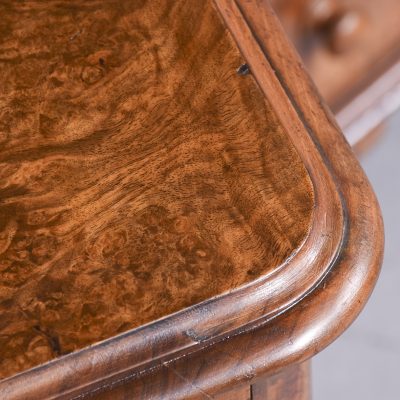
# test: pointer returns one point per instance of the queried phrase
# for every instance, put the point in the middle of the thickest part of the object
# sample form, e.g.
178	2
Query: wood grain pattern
140	174
320	317
280	319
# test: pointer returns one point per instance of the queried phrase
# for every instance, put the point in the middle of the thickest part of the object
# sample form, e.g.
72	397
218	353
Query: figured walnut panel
139	173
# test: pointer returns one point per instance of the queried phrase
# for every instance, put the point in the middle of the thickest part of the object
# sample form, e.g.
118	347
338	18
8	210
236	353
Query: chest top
178	208
141	172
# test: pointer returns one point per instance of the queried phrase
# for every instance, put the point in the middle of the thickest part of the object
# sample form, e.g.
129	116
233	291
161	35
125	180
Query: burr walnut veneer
180	216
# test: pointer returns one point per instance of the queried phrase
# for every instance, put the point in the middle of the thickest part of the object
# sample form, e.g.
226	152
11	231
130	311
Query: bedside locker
180	215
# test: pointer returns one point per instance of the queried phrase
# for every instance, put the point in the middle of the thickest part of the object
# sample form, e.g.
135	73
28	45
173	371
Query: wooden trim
265	325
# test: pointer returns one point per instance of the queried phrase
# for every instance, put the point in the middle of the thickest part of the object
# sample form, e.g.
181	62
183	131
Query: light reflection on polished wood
231	340
140	174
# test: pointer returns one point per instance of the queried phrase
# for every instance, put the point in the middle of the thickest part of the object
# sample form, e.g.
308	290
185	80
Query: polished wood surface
241	393
290	312
140	173
292	383
340	71
350	48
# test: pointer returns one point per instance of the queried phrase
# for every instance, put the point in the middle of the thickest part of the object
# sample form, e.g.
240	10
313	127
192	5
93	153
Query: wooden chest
180	215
